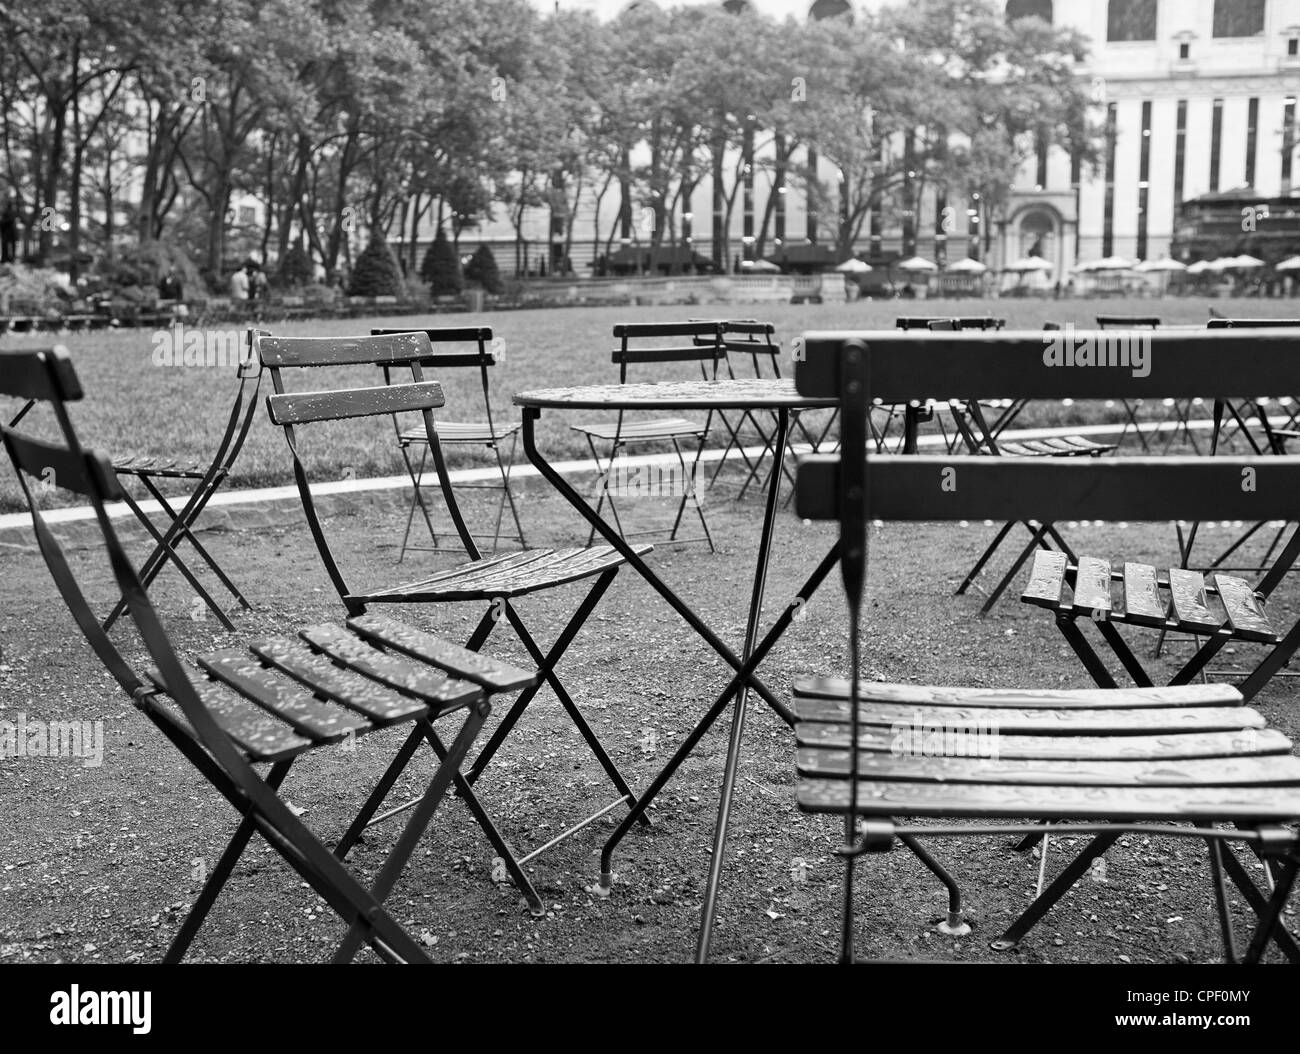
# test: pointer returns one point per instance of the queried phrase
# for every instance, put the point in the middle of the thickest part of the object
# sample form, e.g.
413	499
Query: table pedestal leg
742	699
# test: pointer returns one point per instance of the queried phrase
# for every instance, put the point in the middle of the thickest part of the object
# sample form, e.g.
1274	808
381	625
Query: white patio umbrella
1026	264
968	266
1201	266
1109	263
1291	263
766	266
854	266
1166	263
1246	262
917	263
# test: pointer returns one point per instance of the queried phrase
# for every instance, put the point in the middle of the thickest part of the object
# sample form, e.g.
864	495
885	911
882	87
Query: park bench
481	433
1187	761
640	345
273	703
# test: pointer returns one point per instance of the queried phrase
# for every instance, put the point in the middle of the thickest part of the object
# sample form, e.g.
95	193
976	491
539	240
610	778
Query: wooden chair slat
304	407
392	349
1084	748
451	432
1046	579
55	465
666	329
44	374
307	715
379	704
460	662
1179	695
1046	721
1142	595
1149	804
1092	586
692	353
426	682
257	733
658	428
1246	614
1187	592
1274	770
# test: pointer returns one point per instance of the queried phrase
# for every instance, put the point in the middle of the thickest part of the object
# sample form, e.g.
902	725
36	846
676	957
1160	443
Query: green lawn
133	405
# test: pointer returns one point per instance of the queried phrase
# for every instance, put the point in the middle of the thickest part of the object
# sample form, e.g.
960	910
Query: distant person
239	286
169	287
256	280
9	231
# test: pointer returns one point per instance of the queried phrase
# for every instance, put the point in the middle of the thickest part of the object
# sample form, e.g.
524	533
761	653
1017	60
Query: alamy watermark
652	481
182	345
925	738
1125	349
26	738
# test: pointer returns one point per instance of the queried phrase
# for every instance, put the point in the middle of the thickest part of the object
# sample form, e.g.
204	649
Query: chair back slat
1253	323
479	335
305	407
55	465
936	488
693	353
40	375
391	349
644	330
1059	364
1130	321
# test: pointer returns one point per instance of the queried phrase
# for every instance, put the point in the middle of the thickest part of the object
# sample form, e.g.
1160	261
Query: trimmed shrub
295	269
482	268
376	272
441	268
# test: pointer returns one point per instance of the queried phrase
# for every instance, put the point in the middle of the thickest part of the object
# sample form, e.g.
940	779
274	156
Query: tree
376	272
295	267
482	268
441	267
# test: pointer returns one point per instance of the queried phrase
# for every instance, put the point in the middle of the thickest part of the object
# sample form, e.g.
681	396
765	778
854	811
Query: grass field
133	405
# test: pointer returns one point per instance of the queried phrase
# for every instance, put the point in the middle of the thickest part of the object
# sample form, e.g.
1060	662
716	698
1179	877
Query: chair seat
284	696
1056	446
1177	599
1182	753
155	465
506	575
644	431
461	432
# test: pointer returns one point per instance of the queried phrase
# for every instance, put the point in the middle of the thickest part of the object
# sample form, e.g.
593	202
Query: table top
747	394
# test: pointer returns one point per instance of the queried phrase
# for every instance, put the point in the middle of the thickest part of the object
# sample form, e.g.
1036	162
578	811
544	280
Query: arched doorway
1038	232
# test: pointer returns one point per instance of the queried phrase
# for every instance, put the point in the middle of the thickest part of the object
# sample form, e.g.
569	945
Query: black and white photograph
562	483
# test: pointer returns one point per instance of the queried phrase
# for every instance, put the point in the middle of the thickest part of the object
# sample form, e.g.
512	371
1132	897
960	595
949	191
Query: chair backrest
747	337
1253	323
47	376
480	357
1128	322
858	368
946	323
640	344
291	410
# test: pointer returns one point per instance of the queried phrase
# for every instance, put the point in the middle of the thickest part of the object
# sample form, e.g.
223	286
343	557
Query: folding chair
707	350
150	470
1163	762
277	702
483	433
1179	409
498	581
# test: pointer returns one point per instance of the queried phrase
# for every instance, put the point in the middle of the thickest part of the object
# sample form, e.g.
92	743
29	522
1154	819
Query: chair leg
170	554
1044	903
220	874
189	536
1065	622
1215	846
984	558
1036	541
509	494
1278	657
417	499
416	825
1258	902
1270	917
955	925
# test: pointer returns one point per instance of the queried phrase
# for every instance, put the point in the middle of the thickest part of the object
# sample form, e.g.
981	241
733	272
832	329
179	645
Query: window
1293	46
1108	216
1131	20
1184	51
1216	144
1180	153
1144	180
1238	18
1252	140
1017	9
1288	143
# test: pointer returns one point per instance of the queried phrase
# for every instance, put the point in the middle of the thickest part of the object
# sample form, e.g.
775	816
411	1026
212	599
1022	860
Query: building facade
1194	97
